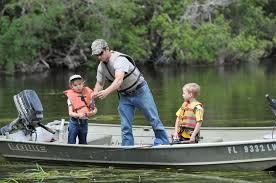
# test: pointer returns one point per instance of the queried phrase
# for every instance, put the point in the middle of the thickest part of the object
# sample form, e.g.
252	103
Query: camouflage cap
98	45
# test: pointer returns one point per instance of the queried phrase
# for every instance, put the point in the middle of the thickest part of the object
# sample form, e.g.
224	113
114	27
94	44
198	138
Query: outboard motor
30	112
29	108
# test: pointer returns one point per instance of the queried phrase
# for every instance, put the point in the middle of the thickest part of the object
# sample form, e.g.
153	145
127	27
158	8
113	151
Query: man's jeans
77	127
143	100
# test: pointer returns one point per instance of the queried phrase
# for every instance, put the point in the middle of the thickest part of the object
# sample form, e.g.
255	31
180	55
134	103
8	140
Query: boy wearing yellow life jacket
81	106
189	116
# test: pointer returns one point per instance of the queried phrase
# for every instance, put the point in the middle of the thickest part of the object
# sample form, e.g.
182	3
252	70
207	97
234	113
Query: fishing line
272	137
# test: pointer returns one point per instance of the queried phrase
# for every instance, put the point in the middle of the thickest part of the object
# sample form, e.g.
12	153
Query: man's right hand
95	94
102	94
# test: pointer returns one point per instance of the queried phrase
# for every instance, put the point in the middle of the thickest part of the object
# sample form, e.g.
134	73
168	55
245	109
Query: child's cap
74	77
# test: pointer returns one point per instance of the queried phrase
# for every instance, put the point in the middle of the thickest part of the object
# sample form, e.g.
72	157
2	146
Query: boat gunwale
202	128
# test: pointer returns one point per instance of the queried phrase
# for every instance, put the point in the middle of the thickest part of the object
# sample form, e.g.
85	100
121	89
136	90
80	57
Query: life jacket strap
127	75
83	99
76	110
192	125
124	90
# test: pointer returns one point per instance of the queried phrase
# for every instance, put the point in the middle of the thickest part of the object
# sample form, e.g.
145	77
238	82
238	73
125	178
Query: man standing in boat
132	88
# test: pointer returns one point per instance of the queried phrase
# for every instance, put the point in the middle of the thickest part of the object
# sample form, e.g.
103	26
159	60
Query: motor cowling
29	107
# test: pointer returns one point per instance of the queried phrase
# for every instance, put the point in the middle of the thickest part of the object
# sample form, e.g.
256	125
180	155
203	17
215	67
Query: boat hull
256	154
194	157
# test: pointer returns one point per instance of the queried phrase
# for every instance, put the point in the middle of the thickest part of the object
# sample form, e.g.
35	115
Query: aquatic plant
41	175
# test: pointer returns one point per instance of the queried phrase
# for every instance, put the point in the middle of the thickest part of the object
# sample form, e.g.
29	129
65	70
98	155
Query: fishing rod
272	103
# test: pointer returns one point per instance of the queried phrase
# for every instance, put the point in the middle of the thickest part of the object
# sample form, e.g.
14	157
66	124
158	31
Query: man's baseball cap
98	45
74	77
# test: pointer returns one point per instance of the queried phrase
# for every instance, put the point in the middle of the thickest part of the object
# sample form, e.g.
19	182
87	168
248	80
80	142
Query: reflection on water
232	96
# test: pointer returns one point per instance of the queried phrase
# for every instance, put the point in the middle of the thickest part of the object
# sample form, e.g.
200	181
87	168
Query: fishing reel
272	103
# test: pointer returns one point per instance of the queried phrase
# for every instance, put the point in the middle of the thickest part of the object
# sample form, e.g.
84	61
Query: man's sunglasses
97	55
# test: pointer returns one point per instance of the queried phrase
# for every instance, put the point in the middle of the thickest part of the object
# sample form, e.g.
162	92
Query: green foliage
60	32
208	41
127	25
243	43
201	45
252	30
22	38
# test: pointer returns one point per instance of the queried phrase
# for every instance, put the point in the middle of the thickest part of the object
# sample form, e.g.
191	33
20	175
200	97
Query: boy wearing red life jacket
81	106
189	116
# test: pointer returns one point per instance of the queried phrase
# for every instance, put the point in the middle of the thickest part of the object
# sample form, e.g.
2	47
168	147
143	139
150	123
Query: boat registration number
255	148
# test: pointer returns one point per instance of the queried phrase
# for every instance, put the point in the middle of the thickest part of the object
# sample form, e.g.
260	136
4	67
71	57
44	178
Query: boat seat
211	139
104	140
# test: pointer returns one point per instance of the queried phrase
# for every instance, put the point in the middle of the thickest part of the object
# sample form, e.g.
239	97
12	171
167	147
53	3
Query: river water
231	95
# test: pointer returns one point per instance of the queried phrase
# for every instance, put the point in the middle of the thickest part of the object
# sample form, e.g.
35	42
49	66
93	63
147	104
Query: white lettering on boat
268	148
27	147
255	148
232	149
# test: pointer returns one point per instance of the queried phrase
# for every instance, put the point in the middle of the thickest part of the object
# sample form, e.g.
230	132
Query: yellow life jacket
187	114
80	101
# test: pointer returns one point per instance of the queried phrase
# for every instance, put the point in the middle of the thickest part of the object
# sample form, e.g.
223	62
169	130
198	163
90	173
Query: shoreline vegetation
41	35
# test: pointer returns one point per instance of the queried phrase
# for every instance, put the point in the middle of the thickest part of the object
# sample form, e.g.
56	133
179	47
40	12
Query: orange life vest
80	101
187	114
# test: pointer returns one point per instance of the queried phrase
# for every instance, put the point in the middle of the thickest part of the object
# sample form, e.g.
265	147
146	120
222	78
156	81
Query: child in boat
81	106
189	116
